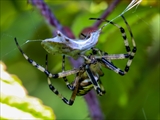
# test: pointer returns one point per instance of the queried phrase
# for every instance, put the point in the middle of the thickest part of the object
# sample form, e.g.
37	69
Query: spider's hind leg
70	86
53	89
102	88
93	80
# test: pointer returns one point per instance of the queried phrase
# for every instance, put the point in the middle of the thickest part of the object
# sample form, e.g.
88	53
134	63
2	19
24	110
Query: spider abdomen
85	86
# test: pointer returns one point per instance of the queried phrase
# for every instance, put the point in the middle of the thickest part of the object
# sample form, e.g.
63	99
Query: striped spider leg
70	86
42	69
106	59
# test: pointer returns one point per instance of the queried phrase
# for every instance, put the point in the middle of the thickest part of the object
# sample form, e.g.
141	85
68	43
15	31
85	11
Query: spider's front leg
99	54
42	69
106	59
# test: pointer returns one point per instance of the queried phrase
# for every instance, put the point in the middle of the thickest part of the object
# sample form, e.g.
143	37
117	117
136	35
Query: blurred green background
133	96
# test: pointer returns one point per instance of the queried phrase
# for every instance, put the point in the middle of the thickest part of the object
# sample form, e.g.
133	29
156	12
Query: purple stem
91	97
47	13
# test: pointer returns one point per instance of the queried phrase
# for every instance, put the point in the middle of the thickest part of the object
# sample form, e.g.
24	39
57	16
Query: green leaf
16	103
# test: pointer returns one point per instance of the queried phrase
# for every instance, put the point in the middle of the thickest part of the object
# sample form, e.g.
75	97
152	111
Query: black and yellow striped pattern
106	59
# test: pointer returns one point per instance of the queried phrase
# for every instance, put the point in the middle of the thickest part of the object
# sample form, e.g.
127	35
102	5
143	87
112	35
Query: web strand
130	6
